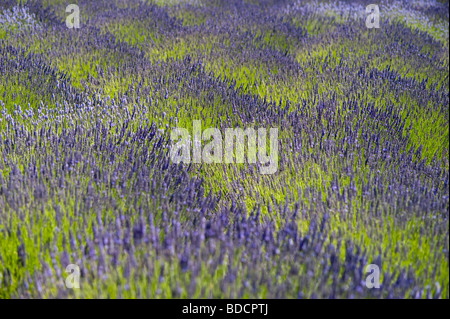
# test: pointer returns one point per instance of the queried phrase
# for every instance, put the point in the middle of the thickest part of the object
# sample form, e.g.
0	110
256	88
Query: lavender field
86	176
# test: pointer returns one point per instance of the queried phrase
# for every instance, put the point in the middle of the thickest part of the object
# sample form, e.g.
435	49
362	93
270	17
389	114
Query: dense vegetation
86	177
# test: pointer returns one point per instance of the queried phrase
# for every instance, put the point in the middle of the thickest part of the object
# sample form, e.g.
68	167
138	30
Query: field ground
86	177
